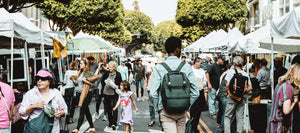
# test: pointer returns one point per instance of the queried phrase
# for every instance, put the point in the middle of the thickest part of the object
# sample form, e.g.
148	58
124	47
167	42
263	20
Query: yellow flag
59	50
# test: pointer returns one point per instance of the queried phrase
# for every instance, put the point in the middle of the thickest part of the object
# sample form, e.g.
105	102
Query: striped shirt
279	122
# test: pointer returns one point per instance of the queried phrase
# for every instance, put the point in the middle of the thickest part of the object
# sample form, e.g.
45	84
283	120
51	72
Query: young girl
125	99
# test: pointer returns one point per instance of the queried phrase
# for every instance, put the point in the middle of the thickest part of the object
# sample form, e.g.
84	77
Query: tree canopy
105	17
13	6
140	26
200	17
163	31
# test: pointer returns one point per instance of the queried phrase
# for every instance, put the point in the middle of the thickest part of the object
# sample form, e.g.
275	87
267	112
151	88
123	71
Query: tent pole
26	65
43	51
272	66
11	61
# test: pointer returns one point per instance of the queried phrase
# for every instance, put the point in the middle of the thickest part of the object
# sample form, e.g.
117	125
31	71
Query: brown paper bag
256	100
85	89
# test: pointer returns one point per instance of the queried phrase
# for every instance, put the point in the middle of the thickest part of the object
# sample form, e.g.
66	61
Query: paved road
141	119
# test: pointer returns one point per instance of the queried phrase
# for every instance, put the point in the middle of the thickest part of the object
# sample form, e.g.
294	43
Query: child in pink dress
125	99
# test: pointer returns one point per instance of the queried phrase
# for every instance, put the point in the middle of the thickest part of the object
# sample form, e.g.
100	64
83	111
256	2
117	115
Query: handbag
64	128
188	126
41	124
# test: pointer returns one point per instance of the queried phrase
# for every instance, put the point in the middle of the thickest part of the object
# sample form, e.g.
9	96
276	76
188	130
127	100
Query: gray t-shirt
108	90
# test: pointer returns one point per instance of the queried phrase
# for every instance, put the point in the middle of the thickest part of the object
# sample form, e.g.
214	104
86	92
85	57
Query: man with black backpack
173	88
238	83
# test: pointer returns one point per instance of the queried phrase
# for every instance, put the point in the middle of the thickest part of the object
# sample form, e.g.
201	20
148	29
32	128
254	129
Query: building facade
262	11
36	17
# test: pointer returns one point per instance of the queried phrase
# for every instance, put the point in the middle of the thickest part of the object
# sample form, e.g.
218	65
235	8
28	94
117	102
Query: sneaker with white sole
138	99
143	99
104	118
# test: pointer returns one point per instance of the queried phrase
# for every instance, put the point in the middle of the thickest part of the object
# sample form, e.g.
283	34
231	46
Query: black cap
222	57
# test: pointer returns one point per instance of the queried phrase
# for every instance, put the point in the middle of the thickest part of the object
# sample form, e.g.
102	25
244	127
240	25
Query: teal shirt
159	71
123	70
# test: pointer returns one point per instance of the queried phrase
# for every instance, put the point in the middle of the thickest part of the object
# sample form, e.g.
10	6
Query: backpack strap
180	66
166	66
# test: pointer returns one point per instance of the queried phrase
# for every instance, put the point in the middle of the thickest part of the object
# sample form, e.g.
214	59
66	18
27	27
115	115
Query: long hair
73	65
86	68
292	75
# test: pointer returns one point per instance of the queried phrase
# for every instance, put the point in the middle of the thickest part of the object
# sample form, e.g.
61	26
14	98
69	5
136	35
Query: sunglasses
42	78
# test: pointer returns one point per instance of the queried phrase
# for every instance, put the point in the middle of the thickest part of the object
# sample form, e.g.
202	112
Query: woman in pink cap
43	100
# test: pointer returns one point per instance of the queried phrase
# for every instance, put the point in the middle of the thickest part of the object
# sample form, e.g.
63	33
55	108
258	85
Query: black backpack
175	90
237	86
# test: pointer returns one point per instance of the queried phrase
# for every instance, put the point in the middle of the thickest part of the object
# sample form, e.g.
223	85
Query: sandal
75	131
91	130
151	123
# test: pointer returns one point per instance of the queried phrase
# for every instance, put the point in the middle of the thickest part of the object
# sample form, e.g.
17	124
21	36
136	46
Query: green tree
200	17
13	6
141	28
105	17
163	31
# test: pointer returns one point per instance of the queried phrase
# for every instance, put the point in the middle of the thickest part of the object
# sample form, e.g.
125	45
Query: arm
118	103
11	110
208	81
65	79
134	103
154	86
288	105
227	86
194	92
87	82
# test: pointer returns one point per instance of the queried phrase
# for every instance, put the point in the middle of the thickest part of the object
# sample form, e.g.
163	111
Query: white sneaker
104	118
143	99
138	99
97	115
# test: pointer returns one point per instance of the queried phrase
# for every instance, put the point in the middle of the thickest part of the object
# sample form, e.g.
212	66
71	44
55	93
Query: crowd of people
211	86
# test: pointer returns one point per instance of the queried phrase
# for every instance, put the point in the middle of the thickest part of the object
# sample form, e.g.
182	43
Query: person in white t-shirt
200	103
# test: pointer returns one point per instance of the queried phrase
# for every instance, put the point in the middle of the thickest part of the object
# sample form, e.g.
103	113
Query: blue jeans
139	82
152	113
221	113
212	102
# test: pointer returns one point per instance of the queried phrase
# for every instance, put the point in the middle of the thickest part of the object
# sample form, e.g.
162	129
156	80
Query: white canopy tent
287	26
20	31
211	39
233	36
250	42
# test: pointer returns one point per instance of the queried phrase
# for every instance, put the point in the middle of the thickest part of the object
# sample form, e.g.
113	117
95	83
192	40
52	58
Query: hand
39	105
58	114
114	109
137	110
99	65
209	86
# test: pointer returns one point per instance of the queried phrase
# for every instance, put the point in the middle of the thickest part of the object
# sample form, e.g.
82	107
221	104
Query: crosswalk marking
202	123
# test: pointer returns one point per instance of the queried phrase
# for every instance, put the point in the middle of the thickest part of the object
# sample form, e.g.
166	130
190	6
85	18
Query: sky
157	10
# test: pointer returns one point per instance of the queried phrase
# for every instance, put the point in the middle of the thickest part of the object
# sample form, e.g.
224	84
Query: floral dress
126	111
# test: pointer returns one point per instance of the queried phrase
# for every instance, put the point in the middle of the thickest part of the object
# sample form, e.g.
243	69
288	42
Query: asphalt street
141	120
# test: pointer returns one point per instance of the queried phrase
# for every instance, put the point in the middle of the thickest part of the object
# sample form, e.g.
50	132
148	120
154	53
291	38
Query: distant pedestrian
7	101
110	96
263	77
123	70
183	58
172	122
69	87
279	69
84	109
213	75
140	74
125	99
200	104
285	97
235	108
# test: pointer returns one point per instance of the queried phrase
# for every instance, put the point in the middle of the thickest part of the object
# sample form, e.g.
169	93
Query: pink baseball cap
43	73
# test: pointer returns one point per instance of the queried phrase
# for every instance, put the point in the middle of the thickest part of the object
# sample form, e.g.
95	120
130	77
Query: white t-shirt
200	77
148	67
231	73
